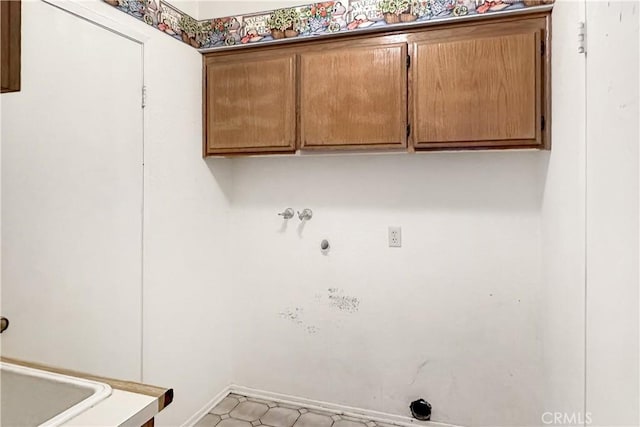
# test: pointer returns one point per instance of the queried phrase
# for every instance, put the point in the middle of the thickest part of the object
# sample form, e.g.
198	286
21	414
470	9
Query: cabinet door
354	96
477	86
10	29
250	103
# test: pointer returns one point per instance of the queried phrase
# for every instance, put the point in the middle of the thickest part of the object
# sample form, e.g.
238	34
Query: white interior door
72	184
613	309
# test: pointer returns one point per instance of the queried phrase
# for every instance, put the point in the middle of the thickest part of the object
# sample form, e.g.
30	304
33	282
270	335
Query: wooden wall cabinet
250	104
10	30
354	96
480	85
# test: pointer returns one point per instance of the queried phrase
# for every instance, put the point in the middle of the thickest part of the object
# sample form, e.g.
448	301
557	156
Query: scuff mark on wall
343	302
292	314
314	312
295	316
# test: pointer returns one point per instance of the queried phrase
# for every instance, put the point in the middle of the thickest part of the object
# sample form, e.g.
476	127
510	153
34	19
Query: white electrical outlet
395	237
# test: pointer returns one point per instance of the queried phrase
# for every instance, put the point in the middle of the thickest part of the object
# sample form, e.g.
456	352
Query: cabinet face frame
398	43
290	129
540	28
10	27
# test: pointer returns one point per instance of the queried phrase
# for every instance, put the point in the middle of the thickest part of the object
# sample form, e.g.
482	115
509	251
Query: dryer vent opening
421	410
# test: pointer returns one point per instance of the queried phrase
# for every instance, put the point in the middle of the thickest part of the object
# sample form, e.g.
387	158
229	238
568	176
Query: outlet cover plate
395	237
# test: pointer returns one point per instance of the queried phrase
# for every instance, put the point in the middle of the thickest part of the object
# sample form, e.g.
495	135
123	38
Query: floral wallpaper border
309	20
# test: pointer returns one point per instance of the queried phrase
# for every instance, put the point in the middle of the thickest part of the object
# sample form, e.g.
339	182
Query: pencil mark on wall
417	374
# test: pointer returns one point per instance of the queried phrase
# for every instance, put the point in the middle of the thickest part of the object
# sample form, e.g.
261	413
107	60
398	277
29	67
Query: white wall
592	190
477	229
185	343
190	7
355	360
612	213
563	221
186	273
453	316
220	8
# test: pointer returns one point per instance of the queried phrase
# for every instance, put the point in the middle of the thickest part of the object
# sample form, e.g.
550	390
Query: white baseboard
192	420
349	411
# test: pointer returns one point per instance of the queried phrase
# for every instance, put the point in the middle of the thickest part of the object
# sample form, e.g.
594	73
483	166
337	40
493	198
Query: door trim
78	9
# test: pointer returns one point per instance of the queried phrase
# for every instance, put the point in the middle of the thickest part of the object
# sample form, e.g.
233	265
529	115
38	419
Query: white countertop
130	403
122	408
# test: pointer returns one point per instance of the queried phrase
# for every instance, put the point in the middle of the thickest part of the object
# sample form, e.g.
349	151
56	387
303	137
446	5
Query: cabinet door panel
10	31
354	97
471	91
251	104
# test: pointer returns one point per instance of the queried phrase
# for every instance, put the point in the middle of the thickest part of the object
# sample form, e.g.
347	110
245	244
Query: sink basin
31	397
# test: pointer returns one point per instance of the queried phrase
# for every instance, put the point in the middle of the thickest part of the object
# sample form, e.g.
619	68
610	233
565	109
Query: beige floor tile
280	417
266	402
225	406
313	420
242	411
354	419
232	422
249	411
209	420
348	423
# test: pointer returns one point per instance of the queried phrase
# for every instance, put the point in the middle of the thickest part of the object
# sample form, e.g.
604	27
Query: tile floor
240	411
